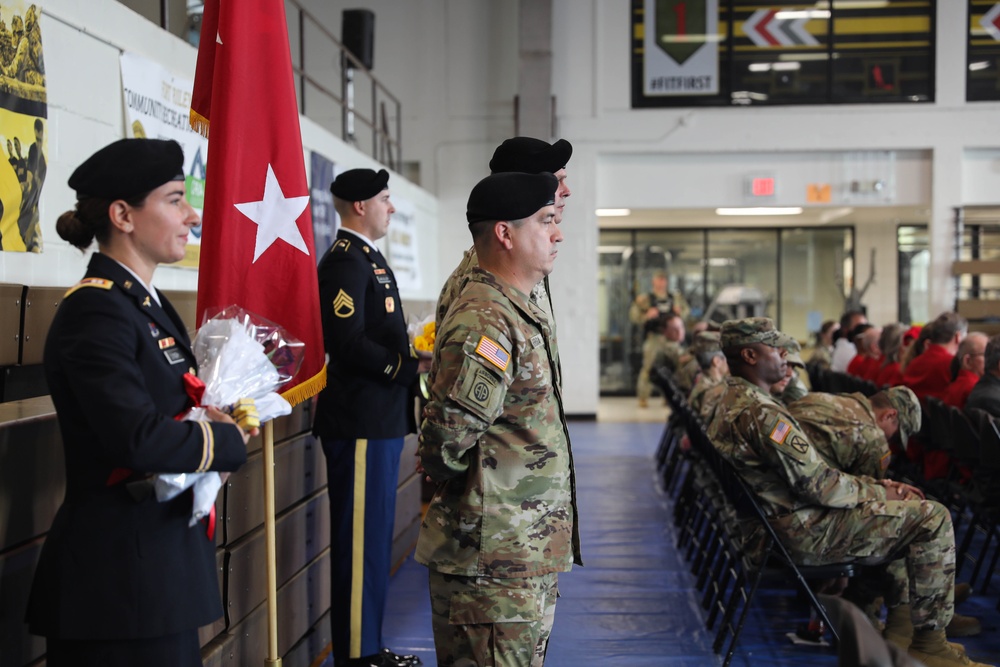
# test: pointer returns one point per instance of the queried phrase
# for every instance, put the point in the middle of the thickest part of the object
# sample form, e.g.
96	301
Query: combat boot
963	626
932	649
899	626
899	629
962	592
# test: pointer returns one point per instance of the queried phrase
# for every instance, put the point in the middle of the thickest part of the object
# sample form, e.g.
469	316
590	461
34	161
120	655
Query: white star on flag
275	216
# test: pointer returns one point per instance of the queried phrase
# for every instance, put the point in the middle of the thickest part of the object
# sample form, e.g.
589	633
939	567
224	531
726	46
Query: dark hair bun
70	228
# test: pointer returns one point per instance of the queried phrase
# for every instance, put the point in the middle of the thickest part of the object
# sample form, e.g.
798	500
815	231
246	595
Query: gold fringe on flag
307	389
199	124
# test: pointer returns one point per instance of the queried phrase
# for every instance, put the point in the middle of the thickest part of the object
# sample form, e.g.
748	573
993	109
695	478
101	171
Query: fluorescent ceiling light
786	14
806	56
613	212
852	4
777	67
760	210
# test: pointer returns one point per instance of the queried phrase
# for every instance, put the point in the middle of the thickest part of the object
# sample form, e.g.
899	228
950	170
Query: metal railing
381	112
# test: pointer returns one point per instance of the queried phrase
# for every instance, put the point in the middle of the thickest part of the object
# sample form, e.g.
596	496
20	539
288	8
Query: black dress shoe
384	658
401	660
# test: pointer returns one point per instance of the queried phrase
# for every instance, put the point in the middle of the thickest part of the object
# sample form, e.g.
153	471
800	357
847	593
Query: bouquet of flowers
240	356
422	334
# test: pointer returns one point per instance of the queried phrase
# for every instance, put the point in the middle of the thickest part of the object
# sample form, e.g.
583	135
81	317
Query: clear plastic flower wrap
240	355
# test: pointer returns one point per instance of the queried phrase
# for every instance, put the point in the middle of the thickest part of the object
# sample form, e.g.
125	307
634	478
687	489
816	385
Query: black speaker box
358	34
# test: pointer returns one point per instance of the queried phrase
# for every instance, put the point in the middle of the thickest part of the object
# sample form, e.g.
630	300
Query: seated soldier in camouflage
794	388
662	347
852	433
824	515
707	351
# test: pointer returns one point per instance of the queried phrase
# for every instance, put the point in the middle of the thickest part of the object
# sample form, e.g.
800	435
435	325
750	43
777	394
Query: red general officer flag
257	244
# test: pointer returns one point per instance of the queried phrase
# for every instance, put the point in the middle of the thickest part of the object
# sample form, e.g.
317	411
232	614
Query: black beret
530	155
510	196
359	184
128	168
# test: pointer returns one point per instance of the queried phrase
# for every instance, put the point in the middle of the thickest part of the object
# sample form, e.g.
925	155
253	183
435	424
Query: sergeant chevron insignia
343	304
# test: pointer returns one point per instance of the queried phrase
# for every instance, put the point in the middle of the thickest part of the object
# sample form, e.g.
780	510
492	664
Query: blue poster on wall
323	214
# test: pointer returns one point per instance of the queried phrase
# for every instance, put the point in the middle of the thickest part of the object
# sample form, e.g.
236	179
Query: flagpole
272	575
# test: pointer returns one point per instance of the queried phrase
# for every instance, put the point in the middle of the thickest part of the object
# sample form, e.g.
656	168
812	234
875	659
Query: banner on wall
402	247
322	171
23	120
680	45
158	106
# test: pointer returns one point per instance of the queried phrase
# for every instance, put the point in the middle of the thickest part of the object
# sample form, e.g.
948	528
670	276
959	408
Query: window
740	52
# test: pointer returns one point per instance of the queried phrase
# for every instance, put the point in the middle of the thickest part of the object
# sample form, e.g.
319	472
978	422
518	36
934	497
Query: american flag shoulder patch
491	351
781	431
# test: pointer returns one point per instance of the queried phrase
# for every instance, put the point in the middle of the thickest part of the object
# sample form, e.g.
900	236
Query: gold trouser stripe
358	546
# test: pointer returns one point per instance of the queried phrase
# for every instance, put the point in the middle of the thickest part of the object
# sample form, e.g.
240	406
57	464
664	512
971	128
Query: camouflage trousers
916	533
490	622
652	351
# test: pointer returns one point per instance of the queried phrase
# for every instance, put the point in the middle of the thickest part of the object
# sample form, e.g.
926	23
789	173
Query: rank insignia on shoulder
780	431
491	351
164	343
342	245
343	304
102	283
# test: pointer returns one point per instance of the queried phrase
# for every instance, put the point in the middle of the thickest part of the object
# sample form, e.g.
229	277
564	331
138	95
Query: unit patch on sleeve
491	351
343	304
480	391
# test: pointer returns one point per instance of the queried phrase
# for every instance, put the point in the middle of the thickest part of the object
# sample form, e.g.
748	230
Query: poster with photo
404	255
23	121
322	171
158	106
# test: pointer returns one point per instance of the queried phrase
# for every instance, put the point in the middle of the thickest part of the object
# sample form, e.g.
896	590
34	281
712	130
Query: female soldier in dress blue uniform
123	579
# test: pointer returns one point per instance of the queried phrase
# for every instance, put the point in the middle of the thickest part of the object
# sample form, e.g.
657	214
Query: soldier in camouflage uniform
852	432
707	351
824	515
662	347
503	520
519	154
791	388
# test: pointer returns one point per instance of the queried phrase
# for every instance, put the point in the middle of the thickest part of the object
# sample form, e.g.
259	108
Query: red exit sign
759	185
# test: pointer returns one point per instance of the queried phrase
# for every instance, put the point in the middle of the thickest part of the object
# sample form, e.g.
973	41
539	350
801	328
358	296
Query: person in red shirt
890	344
929	375
869	359
970	362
